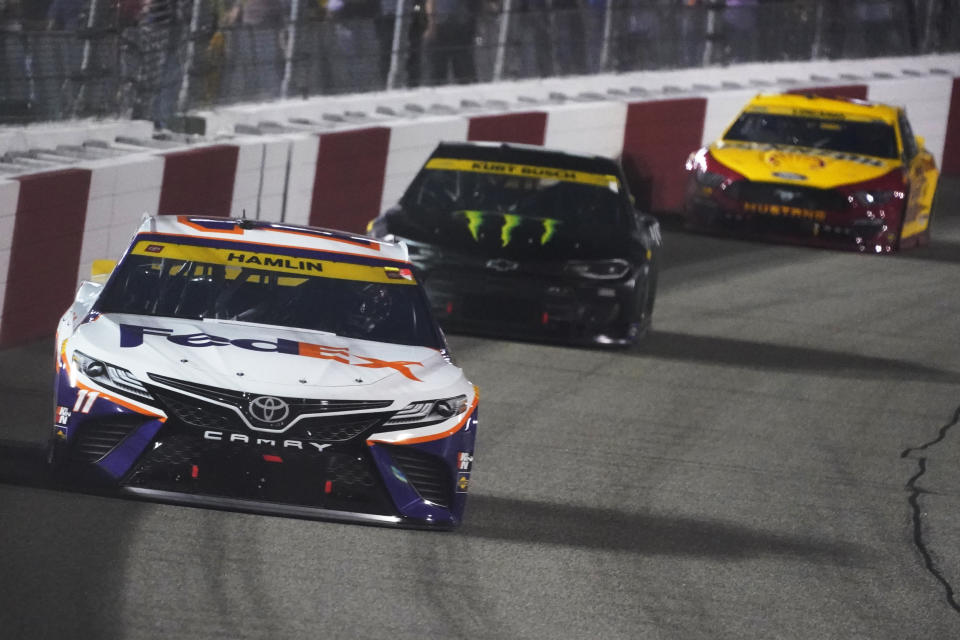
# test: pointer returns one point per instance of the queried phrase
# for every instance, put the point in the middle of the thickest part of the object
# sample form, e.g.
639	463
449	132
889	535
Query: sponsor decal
132	336
85	400
502	264
398	474
284	264
786	175
60	432
464	461
509	222
783	210
62	415
269	409
242	258
463	482
821	153
242	438
396	273
525	170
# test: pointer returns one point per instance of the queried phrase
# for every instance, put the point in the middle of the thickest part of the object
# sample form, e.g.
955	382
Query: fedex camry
265	367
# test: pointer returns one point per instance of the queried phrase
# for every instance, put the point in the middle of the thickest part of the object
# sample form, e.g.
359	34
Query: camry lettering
220	436
132	335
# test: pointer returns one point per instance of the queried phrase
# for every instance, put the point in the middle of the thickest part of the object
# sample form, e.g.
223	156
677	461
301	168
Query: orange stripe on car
435	436
123	403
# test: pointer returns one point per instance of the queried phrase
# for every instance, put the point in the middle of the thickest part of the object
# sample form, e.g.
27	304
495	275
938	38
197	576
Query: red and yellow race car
827	172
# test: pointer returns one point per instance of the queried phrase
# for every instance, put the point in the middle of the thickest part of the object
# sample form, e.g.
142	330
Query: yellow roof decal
526	171
274	262
822	108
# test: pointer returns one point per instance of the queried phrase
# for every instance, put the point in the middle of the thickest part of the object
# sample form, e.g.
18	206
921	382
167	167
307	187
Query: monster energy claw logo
509	222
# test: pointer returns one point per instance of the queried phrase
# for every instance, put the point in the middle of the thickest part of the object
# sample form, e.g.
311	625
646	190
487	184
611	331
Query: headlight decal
428	411
110	376
599	269
409	438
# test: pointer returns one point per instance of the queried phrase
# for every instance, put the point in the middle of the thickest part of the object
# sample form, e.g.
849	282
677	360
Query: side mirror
921	142
88	293
100	270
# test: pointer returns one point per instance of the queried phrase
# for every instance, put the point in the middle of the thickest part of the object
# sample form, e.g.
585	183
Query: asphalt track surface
777	460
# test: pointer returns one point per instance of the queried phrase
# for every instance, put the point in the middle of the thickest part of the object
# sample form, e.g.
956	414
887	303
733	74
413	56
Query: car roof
274	234
828	107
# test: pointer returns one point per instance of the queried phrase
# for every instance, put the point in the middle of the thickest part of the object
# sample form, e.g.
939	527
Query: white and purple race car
264	367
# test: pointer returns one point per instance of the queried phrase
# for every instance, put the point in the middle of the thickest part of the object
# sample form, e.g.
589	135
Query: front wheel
56	457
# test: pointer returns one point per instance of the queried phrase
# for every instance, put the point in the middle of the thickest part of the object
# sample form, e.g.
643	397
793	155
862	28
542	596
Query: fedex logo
132	335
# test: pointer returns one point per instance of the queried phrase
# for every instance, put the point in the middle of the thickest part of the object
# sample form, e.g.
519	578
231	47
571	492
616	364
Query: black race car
525	242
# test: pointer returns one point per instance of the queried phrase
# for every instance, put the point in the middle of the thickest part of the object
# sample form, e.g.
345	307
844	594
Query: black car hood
492	234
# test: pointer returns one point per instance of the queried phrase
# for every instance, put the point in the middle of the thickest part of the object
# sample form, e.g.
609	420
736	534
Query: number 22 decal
89	396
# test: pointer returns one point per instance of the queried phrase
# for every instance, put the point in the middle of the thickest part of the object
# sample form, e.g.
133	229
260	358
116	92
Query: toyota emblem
502	264
269	409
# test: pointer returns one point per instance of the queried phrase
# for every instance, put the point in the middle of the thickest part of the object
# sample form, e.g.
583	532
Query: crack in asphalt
914	500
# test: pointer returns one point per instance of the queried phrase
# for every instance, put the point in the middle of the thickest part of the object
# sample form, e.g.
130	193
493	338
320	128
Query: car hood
494	234
804	166
263	359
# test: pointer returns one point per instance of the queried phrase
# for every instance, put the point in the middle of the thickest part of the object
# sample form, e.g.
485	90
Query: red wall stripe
853	91
47	238
951	145
657	140
199	181
522	128
348	186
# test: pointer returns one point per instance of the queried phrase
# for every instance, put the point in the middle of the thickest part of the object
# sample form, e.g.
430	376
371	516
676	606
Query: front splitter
279	509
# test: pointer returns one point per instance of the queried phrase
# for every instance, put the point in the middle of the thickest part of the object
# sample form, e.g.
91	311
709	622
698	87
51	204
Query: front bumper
834	228
533	306
341	475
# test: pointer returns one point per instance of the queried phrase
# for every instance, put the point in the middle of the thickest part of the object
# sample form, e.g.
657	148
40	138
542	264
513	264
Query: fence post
85	63
816	47
502	40
290	48
713	8
191	53
395	47
605	42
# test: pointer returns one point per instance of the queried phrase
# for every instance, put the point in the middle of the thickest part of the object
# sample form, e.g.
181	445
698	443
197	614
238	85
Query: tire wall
53	224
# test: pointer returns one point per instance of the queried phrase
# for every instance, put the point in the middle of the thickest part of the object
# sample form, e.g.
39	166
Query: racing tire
56	458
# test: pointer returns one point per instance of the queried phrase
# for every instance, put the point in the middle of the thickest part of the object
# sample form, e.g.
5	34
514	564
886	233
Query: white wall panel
302	175
411	143
927	100
590	128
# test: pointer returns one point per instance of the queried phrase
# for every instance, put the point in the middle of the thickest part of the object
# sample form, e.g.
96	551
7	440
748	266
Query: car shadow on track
518	520
939	250
63	561
669	345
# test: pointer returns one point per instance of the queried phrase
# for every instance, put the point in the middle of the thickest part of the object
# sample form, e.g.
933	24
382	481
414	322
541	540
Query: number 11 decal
90	396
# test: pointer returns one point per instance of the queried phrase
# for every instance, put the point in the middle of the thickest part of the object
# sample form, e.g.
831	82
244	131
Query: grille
197	413
350	471
98	437
791	195
428	474
328	479
297	405
333	428
202	414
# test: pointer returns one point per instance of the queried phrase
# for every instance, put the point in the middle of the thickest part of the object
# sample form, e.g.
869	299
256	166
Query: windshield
469	189
254	283
846	136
